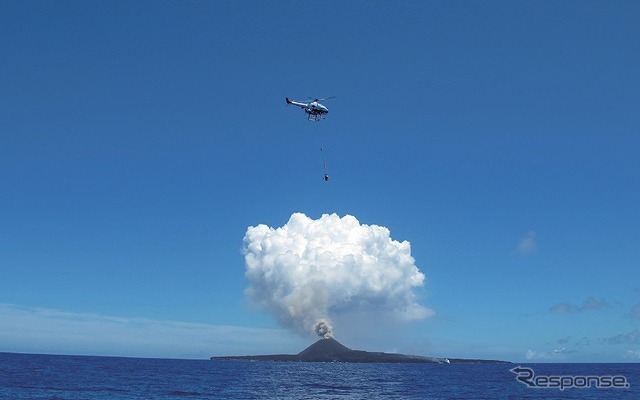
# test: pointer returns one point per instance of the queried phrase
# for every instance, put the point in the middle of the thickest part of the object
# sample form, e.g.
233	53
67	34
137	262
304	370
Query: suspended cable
324	165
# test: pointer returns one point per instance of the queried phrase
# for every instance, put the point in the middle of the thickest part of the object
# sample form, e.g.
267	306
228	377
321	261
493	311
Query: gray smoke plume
311	270
324	329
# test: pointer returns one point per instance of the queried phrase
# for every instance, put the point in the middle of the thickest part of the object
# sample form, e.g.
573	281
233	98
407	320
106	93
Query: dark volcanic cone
331	350
324	350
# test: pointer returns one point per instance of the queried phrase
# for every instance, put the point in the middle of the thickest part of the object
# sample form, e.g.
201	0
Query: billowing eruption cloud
309	270
324	329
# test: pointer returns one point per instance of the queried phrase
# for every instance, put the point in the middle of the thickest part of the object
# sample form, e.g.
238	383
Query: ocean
54	377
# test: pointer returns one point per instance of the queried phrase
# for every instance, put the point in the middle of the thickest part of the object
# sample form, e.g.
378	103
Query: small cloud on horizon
632	337
635	312
564	350
537	355
633	354
590	304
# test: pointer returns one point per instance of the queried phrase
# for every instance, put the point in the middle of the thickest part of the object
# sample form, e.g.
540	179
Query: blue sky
140	140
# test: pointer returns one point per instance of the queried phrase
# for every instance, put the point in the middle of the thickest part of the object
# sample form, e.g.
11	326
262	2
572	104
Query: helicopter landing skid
315	117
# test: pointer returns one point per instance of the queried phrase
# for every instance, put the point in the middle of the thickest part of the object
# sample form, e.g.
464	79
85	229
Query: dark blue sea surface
27	376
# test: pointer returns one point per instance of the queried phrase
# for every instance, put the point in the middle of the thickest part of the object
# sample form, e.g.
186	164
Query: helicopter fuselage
314	109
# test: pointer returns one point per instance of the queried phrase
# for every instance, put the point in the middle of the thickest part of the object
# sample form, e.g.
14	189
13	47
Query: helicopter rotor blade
326	98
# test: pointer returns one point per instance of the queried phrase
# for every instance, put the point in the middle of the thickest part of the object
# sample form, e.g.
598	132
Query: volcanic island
330	350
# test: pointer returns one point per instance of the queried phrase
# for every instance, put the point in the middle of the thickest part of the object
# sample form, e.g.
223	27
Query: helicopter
315	111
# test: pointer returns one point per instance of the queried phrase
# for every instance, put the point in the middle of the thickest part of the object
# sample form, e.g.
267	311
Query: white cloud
564	308
536	355
560	353
590	304
311	269
634	354
635	312
42	330
528	243
563	350
632	337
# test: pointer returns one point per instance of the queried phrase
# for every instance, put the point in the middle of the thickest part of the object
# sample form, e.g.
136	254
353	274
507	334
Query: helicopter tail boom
295	103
